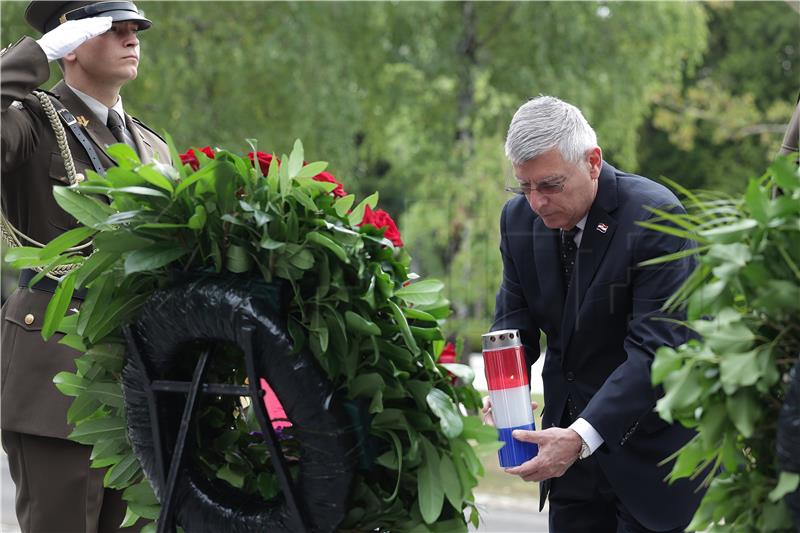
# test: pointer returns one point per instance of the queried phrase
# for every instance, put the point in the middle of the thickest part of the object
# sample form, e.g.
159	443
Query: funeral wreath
370	326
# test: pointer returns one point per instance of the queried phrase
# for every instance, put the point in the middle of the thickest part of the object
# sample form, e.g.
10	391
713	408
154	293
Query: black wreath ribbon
213	310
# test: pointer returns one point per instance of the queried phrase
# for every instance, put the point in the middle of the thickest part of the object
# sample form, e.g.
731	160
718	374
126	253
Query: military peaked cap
44	16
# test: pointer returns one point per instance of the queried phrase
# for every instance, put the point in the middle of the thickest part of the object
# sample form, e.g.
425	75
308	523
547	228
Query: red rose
264	159
381	219
448	354
327	176
189	157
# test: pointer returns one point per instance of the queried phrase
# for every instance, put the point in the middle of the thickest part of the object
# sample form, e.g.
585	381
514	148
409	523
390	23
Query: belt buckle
67	116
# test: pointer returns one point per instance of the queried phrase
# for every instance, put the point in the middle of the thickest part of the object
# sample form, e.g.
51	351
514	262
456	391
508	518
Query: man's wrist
589	436
583	449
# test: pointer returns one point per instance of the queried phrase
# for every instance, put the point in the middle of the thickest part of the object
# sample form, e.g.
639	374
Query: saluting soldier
97	47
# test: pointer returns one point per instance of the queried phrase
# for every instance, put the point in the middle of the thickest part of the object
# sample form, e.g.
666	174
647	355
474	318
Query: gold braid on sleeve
11	235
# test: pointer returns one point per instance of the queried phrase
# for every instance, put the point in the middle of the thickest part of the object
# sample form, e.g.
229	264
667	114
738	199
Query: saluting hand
66	37
558	449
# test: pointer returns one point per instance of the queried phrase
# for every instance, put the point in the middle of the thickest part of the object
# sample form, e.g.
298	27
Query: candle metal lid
502	338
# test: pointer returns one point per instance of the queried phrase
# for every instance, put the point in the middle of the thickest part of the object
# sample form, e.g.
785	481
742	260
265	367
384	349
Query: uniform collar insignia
83	121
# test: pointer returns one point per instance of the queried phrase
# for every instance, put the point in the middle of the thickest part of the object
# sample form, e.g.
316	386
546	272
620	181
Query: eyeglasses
546	187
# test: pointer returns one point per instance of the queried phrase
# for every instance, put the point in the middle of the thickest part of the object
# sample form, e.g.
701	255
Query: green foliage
744	301
373	326
454	227
419	95
728	116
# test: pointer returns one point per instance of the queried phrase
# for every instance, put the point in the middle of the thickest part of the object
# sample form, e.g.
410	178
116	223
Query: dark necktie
117	128
568	252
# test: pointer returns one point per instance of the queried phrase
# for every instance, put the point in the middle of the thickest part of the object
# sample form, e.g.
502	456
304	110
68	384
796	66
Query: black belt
72	123
45	284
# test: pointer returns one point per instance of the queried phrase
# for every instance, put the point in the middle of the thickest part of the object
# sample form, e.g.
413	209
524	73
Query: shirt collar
98	108
580	225
582	222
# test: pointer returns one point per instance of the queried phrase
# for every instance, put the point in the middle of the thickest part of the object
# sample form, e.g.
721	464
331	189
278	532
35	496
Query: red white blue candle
510	391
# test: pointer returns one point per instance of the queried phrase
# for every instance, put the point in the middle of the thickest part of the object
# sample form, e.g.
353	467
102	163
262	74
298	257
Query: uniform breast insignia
83	121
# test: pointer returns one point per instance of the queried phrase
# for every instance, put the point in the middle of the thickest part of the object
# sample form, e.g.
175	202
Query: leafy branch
744	302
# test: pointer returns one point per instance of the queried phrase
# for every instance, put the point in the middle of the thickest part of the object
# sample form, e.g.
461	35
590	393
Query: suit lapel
100	135
142	147
597	234
548	268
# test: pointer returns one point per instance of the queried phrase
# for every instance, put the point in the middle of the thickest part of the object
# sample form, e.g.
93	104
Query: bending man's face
567	207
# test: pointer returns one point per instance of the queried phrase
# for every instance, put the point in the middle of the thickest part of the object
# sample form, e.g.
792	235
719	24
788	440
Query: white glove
66	37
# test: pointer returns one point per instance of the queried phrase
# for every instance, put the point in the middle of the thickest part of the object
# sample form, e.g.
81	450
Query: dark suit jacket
31	166
601	338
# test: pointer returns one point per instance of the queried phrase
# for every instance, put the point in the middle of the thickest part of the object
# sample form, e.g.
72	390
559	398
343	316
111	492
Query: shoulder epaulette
30	102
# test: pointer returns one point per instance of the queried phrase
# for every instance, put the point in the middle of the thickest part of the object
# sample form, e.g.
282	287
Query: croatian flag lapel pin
602	228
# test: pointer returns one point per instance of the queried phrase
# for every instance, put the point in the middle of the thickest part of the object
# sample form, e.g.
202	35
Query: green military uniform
45	466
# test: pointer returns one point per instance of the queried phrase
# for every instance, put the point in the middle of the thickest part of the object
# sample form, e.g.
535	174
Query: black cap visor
118	11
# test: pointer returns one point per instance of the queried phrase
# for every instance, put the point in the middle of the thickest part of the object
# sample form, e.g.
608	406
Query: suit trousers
64	495
582	501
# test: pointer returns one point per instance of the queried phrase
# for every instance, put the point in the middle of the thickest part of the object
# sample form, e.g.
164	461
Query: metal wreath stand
192	315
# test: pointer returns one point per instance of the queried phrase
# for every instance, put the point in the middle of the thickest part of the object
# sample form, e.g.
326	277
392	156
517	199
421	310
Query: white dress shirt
98	108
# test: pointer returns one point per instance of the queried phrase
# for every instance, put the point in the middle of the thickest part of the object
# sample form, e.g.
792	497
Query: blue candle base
514	452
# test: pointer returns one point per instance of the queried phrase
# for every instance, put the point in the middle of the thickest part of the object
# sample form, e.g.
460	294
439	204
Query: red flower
448	354
327	176
264	159
190	158
381	219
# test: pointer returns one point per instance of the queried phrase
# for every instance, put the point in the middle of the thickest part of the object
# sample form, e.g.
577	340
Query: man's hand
65	38
558	449
486	411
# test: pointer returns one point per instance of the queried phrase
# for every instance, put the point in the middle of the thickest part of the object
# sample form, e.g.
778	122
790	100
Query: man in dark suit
97	48
571	251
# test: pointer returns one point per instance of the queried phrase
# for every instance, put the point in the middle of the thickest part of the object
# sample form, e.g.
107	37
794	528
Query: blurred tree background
413	99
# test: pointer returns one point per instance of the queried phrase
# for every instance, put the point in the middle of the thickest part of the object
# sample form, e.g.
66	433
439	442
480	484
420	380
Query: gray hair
544	123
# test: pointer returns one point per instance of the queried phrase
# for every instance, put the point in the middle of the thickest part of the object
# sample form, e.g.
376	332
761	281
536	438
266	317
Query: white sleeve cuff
589	435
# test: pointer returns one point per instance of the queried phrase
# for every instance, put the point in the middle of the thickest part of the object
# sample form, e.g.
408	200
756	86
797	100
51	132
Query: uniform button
29	319
570	376
79	177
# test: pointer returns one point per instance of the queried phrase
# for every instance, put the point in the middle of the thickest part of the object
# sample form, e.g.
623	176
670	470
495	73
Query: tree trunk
467	52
